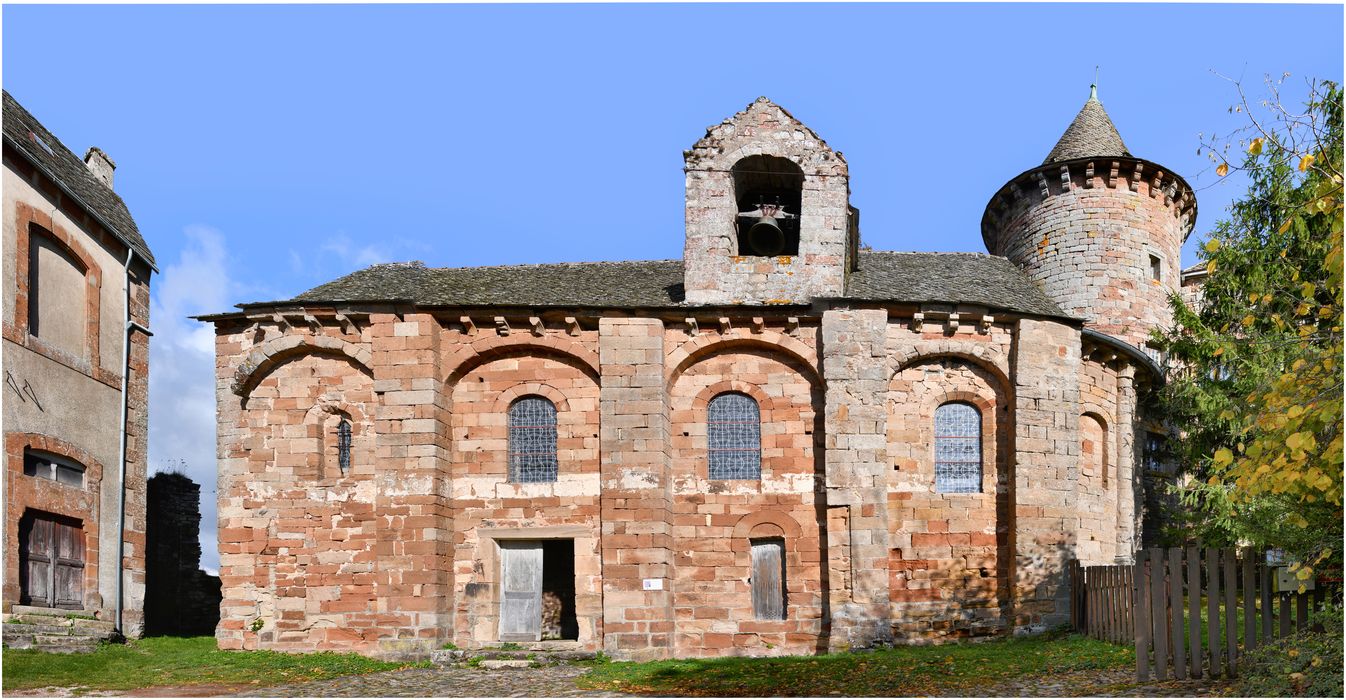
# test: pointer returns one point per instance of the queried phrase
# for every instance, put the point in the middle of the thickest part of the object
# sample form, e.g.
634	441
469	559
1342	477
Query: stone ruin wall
181	599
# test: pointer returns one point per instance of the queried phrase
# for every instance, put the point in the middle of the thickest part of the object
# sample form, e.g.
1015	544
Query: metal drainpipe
121	482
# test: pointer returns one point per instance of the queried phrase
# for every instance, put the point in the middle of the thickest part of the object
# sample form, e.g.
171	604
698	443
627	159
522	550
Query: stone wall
400	554
180	598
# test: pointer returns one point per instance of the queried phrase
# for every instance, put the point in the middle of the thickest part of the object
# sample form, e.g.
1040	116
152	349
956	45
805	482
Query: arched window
344	446
734	437
957	448
532	440
1093	449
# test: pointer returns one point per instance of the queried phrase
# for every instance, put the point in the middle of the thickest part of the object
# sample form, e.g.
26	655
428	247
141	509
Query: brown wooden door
51	561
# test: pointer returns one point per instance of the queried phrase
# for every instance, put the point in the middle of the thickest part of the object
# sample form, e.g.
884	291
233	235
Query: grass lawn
900	671
171	661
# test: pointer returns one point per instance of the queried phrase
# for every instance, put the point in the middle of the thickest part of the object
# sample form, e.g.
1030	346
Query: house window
45	466
957	448
734	437
768	579
1155	448
532	440
56	296
344	445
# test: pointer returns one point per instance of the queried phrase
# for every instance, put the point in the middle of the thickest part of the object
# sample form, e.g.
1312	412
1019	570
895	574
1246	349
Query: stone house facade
76	349
783	443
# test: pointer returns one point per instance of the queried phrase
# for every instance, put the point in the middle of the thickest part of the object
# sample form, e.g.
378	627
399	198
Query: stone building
783	443
76	349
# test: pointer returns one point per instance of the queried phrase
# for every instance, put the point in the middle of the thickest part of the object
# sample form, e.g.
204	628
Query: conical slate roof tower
1097	228
1091	135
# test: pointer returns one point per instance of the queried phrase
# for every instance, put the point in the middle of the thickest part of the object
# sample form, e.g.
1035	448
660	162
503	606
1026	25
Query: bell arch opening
769	193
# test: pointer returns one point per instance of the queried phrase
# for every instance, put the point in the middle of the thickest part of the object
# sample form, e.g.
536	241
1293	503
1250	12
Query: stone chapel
783	443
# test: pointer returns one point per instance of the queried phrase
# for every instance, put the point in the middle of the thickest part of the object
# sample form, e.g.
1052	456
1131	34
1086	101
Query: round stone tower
1100	230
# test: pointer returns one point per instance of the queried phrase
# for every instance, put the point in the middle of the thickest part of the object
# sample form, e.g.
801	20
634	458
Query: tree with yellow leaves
1258	395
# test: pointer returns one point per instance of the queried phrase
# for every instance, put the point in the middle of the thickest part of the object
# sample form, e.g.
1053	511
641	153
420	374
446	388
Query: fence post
1213	609
1231	628
1175	611
1267	611
1141	616
1159	607
1249	602
1194	605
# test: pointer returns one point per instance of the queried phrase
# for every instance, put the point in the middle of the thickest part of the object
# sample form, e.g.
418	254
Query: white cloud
182	370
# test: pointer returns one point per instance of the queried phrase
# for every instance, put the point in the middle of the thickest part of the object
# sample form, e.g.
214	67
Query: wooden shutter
768	579
521	591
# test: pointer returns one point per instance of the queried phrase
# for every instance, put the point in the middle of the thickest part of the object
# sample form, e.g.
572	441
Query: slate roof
1091	135
966	278
26	134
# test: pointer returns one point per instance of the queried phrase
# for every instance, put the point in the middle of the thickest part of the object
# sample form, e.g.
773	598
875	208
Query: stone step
494	664
446	657
54	612
56	644
61	630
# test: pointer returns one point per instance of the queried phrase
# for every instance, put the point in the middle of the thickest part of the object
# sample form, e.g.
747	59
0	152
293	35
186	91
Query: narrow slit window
957	448
1156	269
344	445
532	440
734	437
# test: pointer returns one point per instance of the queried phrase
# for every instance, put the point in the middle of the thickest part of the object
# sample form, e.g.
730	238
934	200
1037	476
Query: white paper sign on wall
654	584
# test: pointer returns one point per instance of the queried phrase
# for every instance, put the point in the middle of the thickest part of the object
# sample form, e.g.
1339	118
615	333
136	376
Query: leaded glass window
344	445
734	437
532	440
957	448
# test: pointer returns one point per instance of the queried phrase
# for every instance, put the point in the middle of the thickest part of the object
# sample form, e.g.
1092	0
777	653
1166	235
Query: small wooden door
51	562
521	591
768	579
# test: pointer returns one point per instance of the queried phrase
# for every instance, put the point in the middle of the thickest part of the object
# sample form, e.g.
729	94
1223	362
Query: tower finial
1093	89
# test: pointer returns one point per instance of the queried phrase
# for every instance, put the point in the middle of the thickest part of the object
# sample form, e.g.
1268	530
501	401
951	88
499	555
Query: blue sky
266	149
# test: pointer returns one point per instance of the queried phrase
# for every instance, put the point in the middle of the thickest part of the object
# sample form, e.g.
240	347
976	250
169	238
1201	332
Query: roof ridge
417	264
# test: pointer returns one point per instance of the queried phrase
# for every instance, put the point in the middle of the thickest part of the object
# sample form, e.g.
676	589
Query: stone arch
522	389
1105	456
766	524
322	418
265	357
988	357
689	353
81	503
485	349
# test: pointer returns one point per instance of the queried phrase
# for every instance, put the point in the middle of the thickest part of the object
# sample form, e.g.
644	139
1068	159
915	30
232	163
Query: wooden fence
1190	612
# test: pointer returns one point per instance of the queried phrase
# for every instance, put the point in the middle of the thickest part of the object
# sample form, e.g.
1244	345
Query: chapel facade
783	443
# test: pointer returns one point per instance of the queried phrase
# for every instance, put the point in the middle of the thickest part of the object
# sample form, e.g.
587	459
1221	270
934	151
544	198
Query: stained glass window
532	440
344	445
957	448
734	437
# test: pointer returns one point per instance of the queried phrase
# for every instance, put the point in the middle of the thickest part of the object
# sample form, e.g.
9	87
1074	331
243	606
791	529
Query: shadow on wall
180	598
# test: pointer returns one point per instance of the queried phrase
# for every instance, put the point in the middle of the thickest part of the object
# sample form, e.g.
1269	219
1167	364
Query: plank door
521	591
52	562
768	579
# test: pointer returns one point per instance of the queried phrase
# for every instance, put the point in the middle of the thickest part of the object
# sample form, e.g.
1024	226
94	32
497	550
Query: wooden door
521	591
51	561
768	579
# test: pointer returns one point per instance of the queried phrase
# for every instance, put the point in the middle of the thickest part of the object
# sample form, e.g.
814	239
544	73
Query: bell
765	237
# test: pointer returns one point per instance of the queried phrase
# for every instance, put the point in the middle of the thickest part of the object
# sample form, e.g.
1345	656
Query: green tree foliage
1259	392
